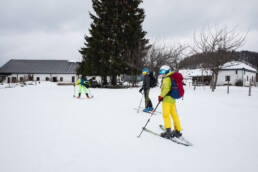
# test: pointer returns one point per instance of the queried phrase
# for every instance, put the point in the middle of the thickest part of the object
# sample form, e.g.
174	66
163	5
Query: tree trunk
103	80
214	80
114	80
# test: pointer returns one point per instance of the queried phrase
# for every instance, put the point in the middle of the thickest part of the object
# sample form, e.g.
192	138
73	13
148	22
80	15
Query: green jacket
165	88
84	83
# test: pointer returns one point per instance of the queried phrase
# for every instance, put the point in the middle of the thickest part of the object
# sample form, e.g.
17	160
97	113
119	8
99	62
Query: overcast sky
55	29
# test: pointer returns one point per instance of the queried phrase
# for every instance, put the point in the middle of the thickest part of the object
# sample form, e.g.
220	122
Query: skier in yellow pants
168	106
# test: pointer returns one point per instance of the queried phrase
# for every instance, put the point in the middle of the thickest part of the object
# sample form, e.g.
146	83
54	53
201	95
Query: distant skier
83	84
146	88
168	105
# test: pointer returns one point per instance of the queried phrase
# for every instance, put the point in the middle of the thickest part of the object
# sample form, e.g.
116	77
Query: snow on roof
238	65
188	73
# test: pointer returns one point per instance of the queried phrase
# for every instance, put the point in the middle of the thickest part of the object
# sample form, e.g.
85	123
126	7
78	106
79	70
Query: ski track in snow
44	129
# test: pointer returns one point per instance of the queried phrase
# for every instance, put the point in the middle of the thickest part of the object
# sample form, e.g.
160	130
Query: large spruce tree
116	44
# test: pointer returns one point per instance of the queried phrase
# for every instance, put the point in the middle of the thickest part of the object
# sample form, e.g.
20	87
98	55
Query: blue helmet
145	70
164	69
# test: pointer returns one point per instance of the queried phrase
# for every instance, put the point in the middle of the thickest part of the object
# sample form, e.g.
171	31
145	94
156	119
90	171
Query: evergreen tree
116	44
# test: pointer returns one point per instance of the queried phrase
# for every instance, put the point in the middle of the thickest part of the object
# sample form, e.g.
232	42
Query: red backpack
177	90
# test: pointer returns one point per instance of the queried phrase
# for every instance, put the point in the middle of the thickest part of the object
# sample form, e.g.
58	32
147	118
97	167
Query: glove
141	90
160	98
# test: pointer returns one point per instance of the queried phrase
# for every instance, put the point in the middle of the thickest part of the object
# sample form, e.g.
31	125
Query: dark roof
39	67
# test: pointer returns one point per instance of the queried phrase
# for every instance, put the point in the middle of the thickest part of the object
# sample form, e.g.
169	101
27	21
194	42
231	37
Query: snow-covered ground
44	129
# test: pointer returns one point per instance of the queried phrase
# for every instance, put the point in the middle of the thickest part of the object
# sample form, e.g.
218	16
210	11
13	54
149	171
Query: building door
30	77
54	79
14	80
227	78
21	79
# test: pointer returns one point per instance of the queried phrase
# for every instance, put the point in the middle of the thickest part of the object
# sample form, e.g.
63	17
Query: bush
239	83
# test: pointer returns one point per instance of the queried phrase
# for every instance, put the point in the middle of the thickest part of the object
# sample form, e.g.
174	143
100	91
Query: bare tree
217	46
136	62
161	55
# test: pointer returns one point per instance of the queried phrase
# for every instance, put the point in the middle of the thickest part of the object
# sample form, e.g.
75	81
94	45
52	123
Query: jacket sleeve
78	81
146	82
87	83
166	86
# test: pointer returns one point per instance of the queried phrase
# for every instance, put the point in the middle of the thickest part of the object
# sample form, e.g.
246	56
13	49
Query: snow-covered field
44	129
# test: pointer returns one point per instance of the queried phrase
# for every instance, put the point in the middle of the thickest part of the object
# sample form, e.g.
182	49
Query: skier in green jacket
83	84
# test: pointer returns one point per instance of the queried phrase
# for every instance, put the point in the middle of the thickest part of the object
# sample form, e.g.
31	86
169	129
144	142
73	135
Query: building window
236	72
13	79
247	78
61	79
38	78
2	78
54	79
21	79
47	78
252	78
73	79
30	77
227	78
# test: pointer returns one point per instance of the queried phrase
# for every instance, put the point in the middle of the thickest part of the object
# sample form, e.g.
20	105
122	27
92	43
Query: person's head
145	71
164	70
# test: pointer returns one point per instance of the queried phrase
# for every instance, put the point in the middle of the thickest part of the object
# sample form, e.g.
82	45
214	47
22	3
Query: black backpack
153	80
86	84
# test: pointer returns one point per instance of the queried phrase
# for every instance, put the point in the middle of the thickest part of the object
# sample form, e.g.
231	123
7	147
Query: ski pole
148	119
74	91
140	104
90	93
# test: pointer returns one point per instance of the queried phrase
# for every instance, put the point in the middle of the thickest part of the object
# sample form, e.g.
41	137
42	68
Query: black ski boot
167	134
176	133
79	96
87	95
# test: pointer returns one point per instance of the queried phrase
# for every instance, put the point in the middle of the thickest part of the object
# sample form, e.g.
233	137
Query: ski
91	97
141	110
83	98
171	139
182	139
144	111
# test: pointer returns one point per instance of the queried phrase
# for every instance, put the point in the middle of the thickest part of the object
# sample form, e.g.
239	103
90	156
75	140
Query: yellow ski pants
170	109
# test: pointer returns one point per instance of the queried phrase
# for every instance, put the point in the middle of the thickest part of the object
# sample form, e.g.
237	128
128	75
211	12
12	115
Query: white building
196	76
231	72
61	71
235	71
